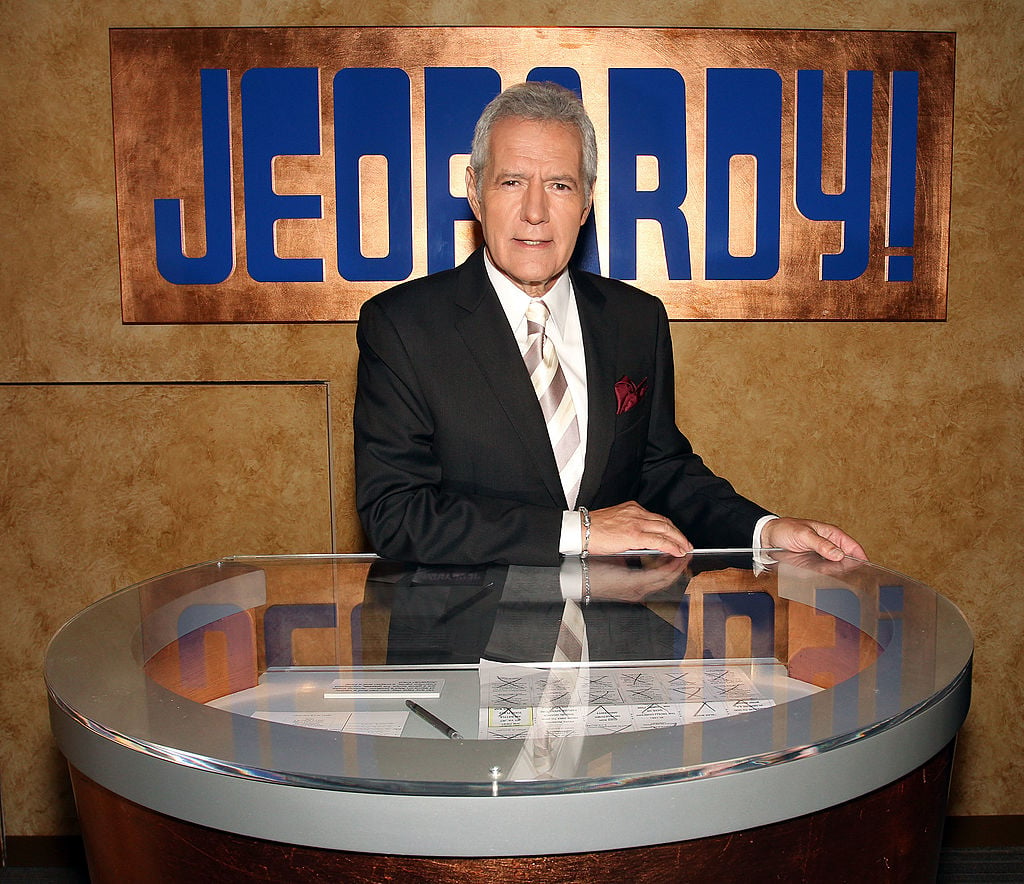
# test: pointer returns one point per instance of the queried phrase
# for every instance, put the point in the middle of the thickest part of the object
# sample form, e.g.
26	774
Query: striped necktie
554	742
555	400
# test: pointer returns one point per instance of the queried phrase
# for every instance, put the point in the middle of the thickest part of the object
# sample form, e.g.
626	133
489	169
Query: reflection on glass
298	668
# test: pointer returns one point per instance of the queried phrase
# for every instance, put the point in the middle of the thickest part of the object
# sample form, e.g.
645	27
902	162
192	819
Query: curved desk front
246	719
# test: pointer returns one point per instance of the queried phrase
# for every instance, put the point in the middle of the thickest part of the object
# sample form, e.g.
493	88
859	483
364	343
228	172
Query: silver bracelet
586	581
585	516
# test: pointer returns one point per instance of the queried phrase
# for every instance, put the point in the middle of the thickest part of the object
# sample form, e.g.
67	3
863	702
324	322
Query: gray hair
542	102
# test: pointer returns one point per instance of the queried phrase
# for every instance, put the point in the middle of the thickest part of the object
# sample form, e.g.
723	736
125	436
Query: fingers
813	562
806	535
616	579
850	547
833	543
630	526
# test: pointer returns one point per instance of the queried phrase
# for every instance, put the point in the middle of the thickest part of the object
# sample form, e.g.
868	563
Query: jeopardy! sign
288	174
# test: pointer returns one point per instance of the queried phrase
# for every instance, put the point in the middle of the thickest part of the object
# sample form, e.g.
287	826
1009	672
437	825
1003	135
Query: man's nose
534	208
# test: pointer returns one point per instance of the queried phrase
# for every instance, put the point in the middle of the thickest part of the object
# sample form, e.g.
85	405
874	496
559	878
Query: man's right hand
626	526
620	580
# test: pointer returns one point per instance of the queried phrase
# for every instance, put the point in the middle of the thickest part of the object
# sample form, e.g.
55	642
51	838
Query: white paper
380	724
385	689
620	697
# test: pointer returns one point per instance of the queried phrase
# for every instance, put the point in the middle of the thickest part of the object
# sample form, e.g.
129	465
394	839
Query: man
456	460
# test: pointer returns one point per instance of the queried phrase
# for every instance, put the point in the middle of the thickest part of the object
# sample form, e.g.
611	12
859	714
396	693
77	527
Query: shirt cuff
570	579
758	528
760	559
570	542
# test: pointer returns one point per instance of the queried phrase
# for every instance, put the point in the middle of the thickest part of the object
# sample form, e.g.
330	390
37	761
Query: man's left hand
806	535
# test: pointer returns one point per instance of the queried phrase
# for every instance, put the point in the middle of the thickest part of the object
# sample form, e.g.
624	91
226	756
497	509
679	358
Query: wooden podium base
893	834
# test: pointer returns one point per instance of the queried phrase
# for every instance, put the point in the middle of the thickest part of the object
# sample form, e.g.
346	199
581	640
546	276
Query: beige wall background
127	451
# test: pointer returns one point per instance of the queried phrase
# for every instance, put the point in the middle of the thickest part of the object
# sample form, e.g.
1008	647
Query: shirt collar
514	300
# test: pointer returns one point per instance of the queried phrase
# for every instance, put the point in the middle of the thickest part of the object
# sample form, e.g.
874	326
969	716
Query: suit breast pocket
629	444
634	420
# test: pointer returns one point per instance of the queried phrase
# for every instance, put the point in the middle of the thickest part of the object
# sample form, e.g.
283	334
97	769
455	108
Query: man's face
531	204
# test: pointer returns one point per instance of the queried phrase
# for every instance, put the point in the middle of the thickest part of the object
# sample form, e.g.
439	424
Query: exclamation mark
899	232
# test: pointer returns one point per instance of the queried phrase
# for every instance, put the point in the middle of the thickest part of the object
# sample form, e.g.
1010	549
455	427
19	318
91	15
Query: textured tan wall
105	485
909	434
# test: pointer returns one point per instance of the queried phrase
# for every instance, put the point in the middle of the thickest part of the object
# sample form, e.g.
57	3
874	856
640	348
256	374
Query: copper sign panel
288	174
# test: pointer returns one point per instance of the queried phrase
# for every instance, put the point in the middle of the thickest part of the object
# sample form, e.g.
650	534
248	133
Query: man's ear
586	211
471	193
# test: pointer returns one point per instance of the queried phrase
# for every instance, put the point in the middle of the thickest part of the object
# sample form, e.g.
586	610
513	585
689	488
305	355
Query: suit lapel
601	344
484	329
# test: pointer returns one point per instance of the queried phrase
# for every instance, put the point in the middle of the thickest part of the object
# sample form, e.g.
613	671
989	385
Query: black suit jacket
453	461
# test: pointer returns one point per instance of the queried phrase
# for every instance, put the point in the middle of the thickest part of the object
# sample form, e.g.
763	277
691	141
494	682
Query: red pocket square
628	394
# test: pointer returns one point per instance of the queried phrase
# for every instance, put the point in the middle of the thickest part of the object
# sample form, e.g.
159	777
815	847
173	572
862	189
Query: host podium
731	716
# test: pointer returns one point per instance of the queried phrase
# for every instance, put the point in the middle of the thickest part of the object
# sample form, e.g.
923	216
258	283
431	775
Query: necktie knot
537	312
537	315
